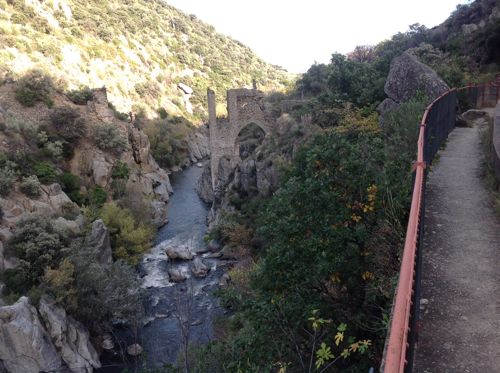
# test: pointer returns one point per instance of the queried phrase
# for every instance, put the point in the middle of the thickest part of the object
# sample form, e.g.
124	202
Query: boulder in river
176	275
179	252
134	349
199	268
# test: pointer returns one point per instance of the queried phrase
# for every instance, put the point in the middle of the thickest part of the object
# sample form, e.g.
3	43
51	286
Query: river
170	305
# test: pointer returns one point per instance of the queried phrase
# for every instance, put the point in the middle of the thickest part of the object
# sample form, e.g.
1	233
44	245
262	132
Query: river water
176	312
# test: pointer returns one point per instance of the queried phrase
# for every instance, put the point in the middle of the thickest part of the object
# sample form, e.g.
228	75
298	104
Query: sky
296	33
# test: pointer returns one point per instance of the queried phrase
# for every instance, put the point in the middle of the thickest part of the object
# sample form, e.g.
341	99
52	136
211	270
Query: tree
38	245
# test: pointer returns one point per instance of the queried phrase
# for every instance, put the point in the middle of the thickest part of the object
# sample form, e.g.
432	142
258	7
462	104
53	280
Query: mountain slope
140	50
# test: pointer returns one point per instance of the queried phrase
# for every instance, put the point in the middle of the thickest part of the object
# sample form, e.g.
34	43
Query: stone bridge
244	107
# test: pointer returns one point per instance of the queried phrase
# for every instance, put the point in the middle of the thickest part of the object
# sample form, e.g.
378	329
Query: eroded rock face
159	213
26	346
408	76
101	170
99	239
204	185
70	338
198	145
52	201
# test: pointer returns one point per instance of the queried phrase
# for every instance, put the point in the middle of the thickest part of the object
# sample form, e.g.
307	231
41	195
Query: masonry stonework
244	106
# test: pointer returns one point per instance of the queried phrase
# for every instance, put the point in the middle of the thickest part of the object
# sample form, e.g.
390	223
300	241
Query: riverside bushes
129	237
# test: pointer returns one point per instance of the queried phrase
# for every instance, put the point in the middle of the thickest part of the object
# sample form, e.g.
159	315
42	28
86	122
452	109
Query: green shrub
34	87
68	123
31	186
97	196
130	238
81	96
38	245
45	172
108	137
53	149
120	170
7	178
69	182
163	113
71	186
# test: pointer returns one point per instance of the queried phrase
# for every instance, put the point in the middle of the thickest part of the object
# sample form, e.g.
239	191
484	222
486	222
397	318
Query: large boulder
99	239
199	268
70	338
25	344
179	252
408	76
176	275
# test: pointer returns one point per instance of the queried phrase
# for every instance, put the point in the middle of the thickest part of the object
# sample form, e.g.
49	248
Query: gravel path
460	330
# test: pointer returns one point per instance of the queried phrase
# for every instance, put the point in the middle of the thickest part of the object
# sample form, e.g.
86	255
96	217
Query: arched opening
248	140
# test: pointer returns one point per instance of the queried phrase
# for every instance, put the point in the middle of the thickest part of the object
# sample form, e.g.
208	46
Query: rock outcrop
70	338
204	185
52	201
52	342
408	76
198	145
26	346
99	239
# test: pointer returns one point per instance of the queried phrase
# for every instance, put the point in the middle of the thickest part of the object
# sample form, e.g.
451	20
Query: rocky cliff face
47	340
91	164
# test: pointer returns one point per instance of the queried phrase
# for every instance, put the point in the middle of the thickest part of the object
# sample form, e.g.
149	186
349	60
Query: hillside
144	52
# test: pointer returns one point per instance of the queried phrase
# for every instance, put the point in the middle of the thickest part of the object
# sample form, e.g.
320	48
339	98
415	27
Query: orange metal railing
397	345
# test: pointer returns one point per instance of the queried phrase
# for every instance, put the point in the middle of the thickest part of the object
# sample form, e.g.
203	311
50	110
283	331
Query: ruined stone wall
244	106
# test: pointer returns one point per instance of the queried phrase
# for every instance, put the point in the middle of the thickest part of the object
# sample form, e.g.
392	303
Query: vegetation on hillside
140	50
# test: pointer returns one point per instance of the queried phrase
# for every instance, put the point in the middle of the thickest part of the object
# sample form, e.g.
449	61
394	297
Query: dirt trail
460	305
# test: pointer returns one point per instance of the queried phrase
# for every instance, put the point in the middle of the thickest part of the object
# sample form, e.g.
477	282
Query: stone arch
252	126
244	106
